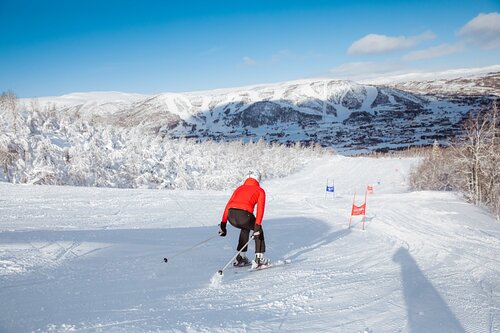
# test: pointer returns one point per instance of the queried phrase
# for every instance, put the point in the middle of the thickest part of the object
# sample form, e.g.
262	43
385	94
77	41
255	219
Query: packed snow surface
91	259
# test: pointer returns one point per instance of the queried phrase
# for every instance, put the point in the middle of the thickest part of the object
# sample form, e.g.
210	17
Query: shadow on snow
427	311
123	279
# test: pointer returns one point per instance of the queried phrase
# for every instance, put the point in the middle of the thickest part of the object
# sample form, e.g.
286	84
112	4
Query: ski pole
221	271
189	249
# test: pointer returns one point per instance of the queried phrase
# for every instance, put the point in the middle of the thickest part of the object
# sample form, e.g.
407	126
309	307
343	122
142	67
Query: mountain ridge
339	113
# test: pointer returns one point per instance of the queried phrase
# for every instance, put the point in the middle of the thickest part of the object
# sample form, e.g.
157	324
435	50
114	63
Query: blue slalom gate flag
330	188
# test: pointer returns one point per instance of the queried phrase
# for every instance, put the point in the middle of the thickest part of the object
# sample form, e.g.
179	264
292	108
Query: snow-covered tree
477	158
471	165
59	145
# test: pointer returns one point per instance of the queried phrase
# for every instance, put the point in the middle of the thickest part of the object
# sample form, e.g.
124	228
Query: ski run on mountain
89	259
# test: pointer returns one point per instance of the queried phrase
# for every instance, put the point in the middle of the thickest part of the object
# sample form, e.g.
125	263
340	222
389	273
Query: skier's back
239	212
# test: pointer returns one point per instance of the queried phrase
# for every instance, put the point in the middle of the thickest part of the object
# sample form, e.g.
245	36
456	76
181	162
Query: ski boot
260	260
241	260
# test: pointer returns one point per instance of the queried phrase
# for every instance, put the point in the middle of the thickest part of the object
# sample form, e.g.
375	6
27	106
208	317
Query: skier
239	212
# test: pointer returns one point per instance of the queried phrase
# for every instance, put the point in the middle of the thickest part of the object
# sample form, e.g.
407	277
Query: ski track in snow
91	260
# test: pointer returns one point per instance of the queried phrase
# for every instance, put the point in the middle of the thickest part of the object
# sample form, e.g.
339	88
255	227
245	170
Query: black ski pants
245	221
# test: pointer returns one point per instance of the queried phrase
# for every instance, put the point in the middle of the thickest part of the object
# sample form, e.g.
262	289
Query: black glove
222	229
257	231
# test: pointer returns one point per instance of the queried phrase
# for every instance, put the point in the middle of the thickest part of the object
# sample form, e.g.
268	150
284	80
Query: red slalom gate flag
370	189
358	210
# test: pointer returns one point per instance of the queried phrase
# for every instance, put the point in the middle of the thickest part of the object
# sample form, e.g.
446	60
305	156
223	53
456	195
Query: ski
245	265
271	265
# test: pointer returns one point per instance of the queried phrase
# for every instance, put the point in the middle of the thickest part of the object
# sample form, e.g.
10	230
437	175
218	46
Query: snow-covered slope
90	259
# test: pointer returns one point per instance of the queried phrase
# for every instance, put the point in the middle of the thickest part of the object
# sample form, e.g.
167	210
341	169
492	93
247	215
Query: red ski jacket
246	197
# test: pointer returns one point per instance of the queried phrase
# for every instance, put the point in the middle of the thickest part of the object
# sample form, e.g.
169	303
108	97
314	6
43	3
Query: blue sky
57	47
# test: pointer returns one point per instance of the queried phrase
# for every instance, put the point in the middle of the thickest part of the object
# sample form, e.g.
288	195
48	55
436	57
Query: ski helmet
255	174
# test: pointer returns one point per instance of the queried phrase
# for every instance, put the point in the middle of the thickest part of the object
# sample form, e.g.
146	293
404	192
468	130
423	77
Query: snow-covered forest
470	164
39	145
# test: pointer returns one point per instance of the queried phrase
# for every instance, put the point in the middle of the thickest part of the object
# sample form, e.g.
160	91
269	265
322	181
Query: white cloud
374	43
434	52
247	61
483	30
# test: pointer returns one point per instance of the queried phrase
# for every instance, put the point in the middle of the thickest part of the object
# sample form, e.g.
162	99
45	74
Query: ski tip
165	260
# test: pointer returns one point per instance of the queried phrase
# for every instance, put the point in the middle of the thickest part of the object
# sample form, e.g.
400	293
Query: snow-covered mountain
338	113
